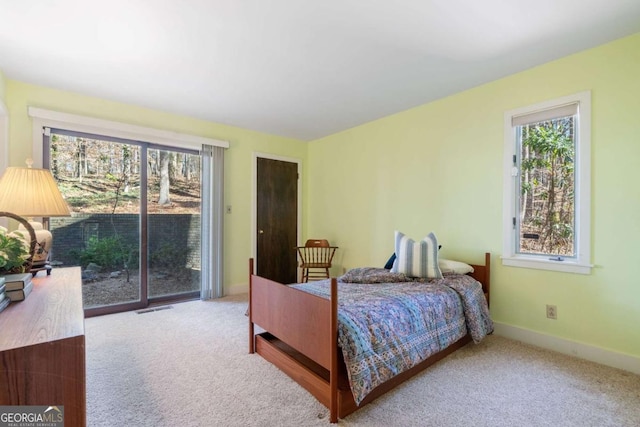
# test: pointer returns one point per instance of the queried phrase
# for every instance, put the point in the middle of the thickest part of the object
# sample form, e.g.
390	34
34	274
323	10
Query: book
1	281
20	294
4	303
13	282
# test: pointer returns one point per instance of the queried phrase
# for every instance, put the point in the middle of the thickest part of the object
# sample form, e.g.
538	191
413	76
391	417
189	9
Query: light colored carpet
188	366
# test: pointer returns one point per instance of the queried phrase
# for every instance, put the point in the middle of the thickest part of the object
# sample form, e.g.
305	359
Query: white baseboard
572	348
240	288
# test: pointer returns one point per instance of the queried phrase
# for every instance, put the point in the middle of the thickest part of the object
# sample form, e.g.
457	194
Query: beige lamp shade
31	192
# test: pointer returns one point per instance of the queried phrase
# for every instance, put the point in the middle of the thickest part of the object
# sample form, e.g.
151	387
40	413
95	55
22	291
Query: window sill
541	264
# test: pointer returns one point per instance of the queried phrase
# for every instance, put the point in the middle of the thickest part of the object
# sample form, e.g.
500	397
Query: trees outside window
547	183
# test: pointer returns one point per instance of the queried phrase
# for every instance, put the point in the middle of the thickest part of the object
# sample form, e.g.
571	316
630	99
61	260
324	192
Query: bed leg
252	338
487	284
333	373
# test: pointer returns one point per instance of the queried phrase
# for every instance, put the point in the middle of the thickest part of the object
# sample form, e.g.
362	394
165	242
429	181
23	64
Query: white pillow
417	259
448	266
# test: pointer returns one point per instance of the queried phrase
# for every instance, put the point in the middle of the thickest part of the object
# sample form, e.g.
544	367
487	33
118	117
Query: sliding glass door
135	223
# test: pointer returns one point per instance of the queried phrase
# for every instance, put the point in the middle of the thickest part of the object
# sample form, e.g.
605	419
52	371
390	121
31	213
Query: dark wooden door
277	220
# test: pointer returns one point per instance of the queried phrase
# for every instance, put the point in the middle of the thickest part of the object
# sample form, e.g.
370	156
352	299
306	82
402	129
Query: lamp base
44	241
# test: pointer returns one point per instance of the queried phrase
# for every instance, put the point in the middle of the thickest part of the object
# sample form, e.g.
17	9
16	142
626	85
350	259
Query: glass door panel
101	182
174	233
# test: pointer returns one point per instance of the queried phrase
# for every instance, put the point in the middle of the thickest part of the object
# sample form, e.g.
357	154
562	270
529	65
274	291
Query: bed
308	329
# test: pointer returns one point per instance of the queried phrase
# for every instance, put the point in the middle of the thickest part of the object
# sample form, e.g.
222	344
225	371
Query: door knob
260	231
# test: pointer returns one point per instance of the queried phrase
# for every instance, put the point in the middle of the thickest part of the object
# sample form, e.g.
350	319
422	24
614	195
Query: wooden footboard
302	339
298	318
301	321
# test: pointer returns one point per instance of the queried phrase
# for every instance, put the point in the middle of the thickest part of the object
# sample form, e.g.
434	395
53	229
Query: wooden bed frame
301	339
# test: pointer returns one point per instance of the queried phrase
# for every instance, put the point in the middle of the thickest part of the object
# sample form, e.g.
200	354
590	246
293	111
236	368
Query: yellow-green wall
238	158
2	87
4	126
439	167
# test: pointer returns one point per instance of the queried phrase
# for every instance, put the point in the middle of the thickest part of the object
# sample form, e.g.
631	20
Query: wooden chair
315	259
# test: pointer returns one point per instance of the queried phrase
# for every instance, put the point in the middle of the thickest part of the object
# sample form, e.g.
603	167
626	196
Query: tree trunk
126	168
78	159
187	167
163	198
54	156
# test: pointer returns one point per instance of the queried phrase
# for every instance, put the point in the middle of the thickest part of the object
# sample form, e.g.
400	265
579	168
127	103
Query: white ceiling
298	68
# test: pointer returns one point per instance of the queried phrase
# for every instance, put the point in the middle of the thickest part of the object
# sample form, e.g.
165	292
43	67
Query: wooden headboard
482	274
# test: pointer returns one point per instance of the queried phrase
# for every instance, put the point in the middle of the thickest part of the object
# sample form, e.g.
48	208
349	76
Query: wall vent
149	310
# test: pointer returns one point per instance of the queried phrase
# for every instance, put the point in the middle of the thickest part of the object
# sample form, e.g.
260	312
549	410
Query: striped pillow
417	259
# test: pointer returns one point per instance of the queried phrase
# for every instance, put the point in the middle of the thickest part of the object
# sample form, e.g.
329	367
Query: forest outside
547	187
101	176
98	196
102	182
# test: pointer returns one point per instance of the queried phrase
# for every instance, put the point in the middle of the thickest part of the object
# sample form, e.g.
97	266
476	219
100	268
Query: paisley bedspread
387	328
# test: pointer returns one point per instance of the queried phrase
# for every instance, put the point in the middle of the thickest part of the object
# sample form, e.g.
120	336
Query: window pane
546	210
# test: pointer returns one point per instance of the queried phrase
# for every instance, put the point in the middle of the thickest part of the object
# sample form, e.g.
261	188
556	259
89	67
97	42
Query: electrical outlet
552	311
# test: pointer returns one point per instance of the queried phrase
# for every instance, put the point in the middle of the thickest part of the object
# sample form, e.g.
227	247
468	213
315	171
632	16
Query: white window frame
581	263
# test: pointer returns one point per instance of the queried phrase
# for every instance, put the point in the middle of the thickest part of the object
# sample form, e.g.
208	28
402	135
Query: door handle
260	231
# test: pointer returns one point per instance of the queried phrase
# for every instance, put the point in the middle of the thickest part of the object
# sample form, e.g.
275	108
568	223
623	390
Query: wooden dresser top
52	311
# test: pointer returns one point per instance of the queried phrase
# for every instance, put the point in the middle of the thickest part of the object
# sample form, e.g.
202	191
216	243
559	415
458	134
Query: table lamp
31	192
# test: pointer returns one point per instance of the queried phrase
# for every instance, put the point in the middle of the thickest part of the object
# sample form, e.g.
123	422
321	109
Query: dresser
42	347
